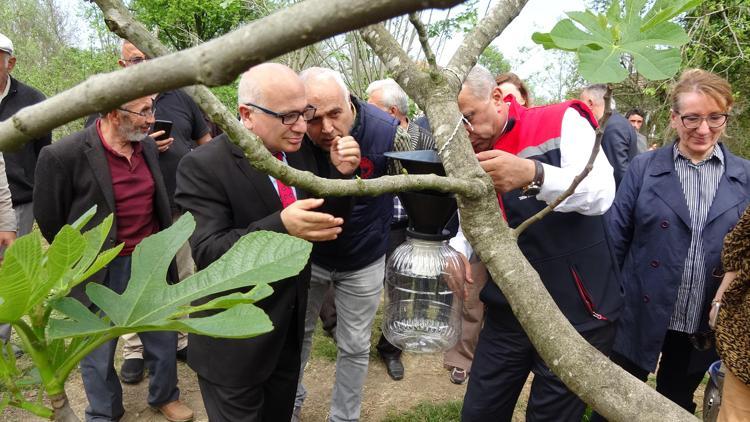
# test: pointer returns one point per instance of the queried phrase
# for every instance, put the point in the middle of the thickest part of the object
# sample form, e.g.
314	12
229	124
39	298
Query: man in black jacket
19	165
255	379
113	165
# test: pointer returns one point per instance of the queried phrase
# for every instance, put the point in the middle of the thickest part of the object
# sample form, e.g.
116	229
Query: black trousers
674	380
269	401
503	359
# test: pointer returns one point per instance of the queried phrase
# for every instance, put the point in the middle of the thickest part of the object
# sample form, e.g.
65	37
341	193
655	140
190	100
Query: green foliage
606	42
184	23
428	412
464	22
493	60
34	282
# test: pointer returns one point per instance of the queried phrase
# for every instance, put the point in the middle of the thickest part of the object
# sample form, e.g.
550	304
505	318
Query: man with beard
113	165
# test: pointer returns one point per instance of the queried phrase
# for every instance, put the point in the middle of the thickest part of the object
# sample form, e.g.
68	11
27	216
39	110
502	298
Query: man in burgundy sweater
113	165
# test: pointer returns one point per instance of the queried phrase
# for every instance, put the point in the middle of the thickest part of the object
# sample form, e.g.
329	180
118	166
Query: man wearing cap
19	165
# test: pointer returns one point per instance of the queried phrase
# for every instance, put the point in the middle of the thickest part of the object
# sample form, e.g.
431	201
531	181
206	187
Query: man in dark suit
619	141
255	379
113	165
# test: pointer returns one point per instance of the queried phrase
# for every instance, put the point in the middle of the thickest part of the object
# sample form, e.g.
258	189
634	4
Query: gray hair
480	82
322	73
391	94
249	90
596	92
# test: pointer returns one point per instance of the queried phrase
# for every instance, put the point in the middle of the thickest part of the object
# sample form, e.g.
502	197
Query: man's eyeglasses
135	60
692	121
148	113
291	117
467	123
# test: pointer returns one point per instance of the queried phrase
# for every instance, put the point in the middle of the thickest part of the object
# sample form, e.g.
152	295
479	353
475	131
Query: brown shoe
176	411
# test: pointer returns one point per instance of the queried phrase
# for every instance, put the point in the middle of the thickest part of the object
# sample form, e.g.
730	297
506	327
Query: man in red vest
532	156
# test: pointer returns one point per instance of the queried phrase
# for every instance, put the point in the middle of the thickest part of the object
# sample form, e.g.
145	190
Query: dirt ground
425	380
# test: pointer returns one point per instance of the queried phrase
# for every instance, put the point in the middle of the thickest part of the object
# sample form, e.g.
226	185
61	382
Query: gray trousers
357	295
24	222
100	381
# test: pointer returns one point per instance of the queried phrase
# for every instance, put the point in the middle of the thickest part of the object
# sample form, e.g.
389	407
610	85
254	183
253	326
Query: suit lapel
99	166
296	161
668	186
260	181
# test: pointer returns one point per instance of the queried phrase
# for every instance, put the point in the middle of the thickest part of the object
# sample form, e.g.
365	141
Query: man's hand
164	144
6	239
300	221
457	277
345	155
507	171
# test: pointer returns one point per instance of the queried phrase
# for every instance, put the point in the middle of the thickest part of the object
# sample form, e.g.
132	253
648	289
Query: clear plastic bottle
422	313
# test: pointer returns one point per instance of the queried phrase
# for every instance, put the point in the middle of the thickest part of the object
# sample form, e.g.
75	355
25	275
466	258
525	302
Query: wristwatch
532	189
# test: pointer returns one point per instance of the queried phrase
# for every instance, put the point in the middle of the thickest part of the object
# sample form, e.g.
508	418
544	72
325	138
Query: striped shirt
699	184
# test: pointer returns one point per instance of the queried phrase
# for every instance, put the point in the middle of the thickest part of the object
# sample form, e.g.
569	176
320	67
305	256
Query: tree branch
216	62
424	40
487	30
128	28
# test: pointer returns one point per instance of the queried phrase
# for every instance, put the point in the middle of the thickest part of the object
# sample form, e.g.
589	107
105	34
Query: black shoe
395	368
131	371
182	354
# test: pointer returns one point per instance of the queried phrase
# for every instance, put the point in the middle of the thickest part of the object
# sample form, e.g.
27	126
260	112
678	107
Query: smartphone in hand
164	125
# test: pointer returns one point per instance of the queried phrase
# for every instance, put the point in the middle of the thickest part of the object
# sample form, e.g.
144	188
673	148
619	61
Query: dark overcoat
649	224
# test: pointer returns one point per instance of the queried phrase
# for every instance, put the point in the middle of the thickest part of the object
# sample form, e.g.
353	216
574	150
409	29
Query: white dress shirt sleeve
7	214
595	193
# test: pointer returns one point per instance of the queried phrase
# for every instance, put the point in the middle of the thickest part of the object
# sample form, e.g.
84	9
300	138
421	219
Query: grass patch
428	412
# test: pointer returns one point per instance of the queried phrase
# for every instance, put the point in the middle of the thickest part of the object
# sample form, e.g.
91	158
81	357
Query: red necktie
286	194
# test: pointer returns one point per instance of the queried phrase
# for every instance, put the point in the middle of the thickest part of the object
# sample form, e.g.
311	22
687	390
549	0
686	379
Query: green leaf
595	25
664	10
261	291
567	36
94	240
241	321
66	249
545	40
81	221
21	270
656	65
601	66
81	320
601	41
150	303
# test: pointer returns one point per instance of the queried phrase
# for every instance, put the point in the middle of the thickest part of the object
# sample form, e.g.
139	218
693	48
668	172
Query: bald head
130	54
265	79
273	90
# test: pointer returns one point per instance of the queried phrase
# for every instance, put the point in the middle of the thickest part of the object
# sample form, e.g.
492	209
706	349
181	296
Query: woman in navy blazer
664	198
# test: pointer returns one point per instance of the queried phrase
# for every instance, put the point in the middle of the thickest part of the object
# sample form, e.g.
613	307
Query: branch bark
486	30
216	62
424	40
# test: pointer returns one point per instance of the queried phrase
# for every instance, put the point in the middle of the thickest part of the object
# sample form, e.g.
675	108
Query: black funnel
428	211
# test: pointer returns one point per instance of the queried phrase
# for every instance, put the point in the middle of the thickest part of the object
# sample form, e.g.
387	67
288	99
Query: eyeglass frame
466	122
701	119
151	113
282	116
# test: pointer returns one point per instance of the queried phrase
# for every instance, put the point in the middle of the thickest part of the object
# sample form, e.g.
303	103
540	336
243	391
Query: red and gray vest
570	251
